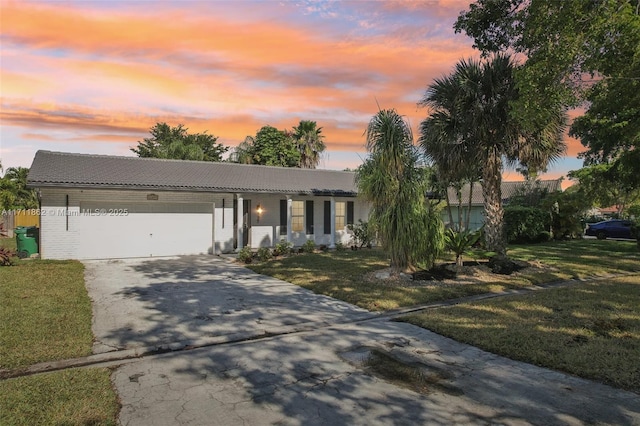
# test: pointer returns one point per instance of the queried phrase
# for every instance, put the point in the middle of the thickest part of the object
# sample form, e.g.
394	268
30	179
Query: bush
245	255
525	224
7	257
362	234
340	246
282	248
264	254
309	246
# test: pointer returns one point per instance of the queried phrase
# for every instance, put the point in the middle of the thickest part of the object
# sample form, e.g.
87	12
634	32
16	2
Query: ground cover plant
589	329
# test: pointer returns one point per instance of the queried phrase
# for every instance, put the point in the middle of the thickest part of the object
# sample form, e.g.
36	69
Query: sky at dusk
94	76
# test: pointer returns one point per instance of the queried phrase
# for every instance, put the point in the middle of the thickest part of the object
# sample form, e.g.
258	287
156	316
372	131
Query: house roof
508	189
60	169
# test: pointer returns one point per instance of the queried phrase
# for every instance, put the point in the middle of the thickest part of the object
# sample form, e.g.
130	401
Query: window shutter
327	217
350	212
308	214
283	217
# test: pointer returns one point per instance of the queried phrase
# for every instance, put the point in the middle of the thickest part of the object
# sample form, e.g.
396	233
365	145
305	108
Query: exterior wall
65	230
265	230
476	218
61	232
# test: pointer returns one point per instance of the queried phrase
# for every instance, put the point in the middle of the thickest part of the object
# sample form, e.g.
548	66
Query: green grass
590	330
341	274
70	397
582	258
46	313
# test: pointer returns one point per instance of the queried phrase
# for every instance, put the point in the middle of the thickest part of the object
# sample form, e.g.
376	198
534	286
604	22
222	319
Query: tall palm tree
409	229
472	120
309	140
441	138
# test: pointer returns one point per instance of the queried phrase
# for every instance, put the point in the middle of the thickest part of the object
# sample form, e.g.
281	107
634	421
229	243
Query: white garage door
116	230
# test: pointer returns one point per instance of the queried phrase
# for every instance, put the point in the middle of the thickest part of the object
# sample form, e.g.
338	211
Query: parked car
615	228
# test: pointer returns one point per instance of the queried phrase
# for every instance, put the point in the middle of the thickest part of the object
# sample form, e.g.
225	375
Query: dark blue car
615	228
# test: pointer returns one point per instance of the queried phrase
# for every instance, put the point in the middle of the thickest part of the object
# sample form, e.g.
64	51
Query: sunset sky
94	76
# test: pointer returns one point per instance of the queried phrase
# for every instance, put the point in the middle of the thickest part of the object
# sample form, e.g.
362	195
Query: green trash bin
26	242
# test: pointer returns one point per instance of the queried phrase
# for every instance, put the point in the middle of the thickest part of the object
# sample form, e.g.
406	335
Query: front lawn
46	315
591	329
69	397
342	274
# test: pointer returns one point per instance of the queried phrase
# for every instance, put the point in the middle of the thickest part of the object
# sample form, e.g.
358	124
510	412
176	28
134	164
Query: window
297	216
341	212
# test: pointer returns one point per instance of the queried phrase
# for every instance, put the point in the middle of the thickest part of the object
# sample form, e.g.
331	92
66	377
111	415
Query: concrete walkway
316	377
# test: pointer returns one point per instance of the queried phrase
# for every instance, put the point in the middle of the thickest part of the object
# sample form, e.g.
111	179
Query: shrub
7	257
245	255
264	254
340	246
525	224
309	246
324	248
460	242
362	234
282	248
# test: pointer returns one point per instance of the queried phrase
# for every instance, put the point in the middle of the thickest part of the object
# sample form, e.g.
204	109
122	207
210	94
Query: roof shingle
101	171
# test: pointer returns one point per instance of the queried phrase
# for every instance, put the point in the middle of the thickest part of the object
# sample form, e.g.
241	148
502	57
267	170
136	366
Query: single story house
100	207
508	191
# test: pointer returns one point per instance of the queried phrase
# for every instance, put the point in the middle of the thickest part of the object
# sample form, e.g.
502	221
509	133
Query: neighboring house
508	190
97	207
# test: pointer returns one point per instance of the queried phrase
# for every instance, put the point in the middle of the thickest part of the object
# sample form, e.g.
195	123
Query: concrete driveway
192	299
315	377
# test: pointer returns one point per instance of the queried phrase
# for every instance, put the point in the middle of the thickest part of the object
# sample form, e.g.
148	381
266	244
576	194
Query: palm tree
308	137
407	226
472	120
16	195
441	138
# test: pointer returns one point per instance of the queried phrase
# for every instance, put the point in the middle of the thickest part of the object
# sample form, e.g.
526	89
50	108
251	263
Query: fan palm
309	140
408	228
471	124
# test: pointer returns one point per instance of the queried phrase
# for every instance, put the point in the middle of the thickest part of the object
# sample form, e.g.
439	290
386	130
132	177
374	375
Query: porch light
259	211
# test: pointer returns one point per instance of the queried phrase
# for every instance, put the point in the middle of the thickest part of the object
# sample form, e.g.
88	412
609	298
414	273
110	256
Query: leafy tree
243	153
576	50
310	145
14	193
273	147
270	147
563	42
408	227
176	143
475	124
607	185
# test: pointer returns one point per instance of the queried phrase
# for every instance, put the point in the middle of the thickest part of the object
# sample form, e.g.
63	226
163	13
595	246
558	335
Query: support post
289	208
240	221
332	240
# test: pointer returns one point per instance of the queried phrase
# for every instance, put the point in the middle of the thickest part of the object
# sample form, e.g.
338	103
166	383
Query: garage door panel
144	230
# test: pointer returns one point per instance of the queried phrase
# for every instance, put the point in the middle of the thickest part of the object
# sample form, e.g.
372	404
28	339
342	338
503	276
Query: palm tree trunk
494	213
446	192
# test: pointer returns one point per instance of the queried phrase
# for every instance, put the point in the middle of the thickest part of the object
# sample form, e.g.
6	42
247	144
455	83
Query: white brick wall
60	236
60	239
